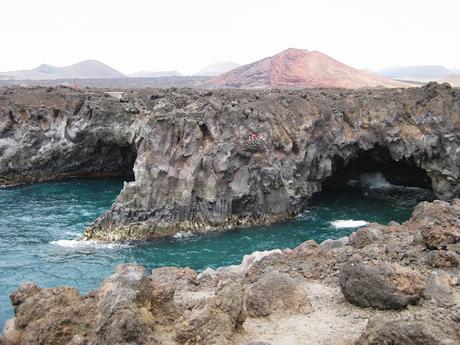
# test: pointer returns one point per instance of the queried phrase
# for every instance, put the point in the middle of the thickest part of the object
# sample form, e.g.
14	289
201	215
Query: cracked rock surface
205	160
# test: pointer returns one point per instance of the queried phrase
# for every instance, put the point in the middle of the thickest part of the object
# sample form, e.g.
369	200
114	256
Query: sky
187	35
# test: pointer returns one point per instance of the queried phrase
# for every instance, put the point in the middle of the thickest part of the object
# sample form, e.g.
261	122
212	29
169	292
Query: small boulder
410	331
276	292
442	258
439	288
380	284
439	223
214	321
367	235
337	243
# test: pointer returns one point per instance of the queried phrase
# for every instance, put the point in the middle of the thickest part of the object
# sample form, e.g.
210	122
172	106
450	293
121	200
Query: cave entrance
106	159
377	160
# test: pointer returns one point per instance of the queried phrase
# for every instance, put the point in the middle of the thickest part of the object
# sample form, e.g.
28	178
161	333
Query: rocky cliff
205	160
384	284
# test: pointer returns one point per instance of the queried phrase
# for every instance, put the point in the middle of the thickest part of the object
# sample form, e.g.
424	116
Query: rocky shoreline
206	160
384	284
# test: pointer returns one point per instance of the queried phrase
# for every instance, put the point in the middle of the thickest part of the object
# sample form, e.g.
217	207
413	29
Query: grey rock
439	286
194	168
338	243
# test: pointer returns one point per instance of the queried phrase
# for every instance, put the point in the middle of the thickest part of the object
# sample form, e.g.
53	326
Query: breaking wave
85	244
374	181
350	223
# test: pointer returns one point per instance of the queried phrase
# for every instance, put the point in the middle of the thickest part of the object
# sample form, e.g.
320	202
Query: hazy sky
186	35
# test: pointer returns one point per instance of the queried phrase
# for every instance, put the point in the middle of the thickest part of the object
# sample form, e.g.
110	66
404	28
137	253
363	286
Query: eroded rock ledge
205	160
393	284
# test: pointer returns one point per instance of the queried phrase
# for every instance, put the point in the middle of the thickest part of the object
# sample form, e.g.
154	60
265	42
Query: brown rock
439	286
442	258
216	320
439	223
410	331
276	292
380	284
372	233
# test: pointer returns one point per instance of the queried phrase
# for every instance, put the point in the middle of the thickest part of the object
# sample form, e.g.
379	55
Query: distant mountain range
298	68
421	73
157	74
217	68
87	69
292	68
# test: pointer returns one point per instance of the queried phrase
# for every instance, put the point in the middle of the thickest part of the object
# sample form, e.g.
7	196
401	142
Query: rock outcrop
289	296
204	160
380	284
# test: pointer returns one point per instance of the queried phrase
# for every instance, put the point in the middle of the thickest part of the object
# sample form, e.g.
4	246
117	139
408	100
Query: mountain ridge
298	68
86	69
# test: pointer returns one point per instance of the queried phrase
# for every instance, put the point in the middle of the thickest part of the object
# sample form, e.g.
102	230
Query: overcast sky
186	35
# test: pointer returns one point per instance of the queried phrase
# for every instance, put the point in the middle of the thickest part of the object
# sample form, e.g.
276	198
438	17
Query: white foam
182	234
374	181
85	244
349	223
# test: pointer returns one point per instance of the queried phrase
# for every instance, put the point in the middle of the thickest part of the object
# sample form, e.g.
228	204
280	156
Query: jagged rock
372	233
178	306
410	331
216	320
439	223
380	284
338	243
166	281
439	287
276	292
123	308
442	258
187	150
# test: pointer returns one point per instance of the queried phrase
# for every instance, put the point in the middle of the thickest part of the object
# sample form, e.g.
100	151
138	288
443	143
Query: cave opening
108	159
378	162
372	180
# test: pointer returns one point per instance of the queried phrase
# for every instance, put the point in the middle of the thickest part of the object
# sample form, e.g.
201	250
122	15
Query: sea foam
374	181
85	244
349	223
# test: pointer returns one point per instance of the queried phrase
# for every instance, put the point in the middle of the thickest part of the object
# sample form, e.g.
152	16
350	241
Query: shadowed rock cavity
378	160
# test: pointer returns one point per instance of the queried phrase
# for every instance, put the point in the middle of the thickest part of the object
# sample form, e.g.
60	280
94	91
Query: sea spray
374	181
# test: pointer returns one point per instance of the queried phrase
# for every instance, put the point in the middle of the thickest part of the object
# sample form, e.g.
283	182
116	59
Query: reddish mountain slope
299	68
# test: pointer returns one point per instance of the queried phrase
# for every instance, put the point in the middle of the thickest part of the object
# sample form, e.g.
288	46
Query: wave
183	234
85	244
374	181
349	223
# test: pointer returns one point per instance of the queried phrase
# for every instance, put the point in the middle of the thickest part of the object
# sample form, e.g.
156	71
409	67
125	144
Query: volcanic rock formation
297	68
207	160
289	296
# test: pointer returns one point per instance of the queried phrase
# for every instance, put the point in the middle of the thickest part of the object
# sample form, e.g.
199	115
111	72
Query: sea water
39	225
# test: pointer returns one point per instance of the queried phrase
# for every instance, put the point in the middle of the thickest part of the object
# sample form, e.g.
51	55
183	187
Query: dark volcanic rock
380	284
210	160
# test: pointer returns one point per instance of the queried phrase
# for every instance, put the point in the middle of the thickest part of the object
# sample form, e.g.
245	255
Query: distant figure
252	136
75	86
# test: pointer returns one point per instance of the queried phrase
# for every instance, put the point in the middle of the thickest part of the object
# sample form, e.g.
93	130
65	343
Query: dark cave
378	160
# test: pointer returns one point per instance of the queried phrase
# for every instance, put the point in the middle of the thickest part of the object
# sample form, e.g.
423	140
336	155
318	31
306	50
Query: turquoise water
38	223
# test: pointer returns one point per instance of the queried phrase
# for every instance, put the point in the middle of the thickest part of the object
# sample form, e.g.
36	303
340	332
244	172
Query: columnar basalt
207	160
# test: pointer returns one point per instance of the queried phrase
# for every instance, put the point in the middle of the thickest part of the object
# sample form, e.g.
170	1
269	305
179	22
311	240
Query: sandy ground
333	321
